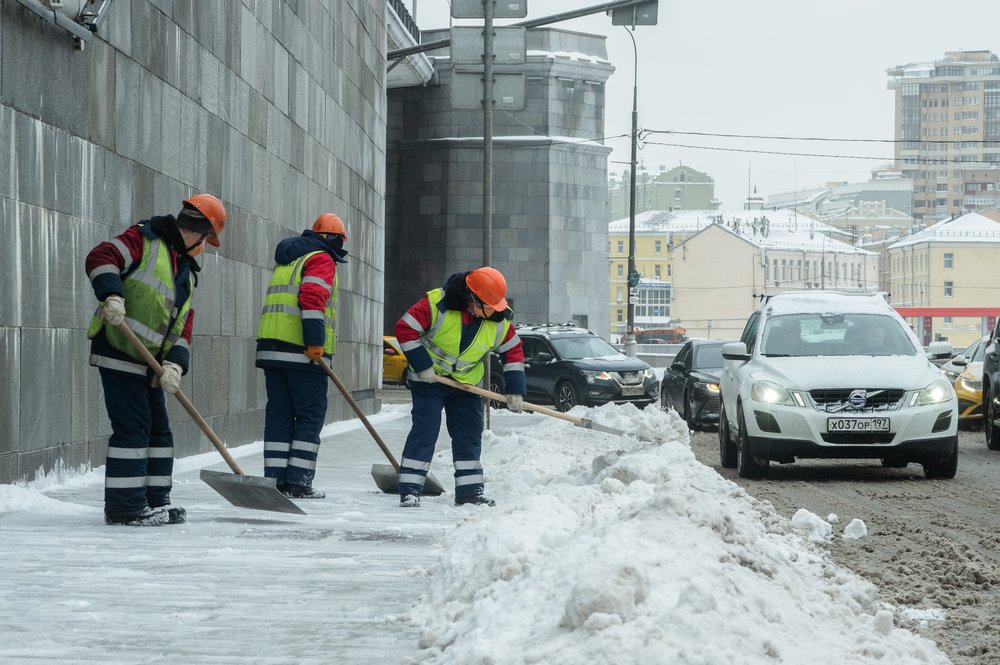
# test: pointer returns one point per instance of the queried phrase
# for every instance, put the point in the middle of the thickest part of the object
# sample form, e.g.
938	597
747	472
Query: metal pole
487	165
630	332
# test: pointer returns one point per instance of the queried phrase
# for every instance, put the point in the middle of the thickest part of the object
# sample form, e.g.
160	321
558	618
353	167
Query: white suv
834	375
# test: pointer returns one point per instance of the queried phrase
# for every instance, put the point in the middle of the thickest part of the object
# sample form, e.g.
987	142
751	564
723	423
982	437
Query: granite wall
277	107
549	222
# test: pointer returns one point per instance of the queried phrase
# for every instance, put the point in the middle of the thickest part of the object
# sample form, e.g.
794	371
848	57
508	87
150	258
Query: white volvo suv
823	374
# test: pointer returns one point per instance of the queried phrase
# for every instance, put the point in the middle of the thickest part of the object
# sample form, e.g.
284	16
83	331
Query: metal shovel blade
250	492
387	479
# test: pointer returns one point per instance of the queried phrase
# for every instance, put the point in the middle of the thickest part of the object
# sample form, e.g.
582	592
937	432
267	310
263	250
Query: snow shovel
585	423
386	477
240	490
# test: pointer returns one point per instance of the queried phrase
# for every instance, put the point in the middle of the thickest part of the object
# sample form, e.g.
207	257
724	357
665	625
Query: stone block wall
549	216
278	108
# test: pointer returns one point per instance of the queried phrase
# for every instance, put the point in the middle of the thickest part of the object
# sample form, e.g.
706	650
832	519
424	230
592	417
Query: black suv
565	366
991	389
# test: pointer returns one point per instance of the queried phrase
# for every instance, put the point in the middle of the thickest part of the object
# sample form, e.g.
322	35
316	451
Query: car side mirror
735	351
677	366
959	361
388	351
543	357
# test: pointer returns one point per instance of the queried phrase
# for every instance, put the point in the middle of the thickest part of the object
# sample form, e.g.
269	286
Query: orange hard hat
330	223
214	212
489	286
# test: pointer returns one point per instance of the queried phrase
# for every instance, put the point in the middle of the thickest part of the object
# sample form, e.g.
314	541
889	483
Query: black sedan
566	365
690	385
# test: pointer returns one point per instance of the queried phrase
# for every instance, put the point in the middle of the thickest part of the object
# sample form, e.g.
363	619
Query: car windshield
584	346
977	357
835	335
708	357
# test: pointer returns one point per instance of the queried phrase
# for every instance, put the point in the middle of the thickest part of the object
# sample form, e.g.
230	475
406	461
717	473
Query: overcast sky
798	68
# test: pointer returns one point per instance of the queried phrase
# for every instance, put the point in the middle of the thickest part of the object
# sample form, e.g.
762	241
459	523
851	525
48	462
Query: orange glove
314	352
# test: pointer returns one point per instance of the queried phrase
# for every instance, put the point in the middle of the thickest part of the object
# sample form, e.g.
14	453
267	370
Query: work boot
475	500
301	492
176	515
145	517
409	501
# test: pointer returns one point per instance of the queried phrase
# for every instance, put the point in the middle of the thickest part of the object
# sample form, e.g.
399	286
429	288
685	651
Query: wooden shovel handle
182	398
527	406
361	414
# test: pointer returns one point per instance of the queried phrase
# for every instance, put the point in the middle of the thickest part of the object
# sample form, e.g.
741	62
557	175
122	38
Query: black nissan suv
565	366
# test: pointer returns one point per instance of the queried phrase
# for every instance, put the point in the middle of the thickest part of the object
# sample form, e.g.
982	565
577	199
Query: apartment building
950	264
677	188
947	122
780	234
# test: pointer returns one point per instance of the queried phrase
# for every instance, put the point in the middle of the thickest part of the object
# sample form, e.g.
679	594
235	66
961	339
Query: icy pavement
602	550
231	585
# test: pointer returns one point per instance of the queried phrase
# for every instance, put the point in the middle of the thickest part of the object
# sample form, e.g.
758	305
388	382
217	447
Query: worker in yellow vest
297	327
448	333
146	277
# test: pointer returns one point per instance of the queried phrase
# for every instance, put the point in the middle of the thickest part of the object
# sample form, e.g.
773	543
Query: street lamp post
630	324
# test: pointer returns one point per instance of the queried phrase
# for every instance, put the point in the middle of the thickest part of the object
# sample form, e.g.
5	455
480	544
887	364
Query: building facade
949	264
947	122
678	188
720	272
549	225
658	233
278	108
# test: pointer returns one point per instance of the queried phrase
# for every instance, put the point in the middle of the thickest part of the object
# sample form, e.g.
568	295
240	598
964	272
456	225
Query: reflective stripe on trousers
293	418
464	419
140	458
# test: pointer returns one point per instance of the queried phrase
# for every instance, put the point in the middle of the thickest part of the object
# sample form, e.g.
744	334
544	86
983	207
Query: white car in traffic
824	374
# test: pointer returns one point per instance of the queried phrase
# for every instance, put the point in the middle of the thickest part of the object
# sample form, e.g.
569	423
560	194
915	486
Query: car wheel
727	449
566	397
945	469
746	465
496	386
664	399
990	428
689	413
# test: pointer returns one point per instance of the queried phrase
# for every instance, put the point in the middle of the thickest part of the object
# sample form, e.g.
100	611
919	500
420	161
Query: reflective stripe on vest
281	317
150	297
445	333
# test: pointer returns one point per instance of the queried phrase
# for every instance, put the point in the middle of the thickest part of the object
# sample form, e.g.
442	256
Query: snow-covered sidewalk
602	549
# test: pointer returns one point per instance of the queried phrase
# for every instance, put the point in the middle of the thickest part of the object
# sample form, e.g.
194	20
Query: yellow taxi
393	362
966	373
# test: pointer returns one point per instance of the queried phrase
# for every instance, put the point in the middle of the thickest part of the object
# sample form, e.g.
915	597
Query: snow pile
611	549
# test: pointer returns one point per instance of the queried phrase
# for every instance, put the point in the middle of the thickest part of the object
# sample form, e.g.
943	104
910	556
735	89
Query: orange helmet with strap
213	210
330	223
489	286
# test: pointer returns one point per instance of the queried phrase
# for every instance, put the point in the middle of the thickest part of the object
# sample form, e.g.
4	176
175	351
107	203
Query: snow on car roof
833	302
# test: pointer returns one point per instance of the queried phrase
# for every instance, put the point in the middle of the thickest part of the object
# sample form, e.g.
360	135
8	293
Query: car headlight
936	392
710	387
970	384
951	375
770	392
649	373
594	375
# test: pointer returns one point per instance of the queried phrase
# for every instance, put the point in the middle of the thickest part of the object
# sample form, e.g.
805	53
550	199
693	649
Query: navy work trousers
293	419
140	459
464	417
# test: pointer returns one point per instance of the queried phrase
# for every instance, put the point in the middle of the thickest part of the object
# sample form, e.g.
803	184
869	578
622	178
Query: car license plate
857	424
630	391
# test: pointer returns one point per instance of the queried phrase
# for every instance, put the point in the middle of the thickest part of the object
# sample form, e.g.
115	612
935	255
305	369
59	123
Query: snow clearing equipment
385	476
585	423
240	489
